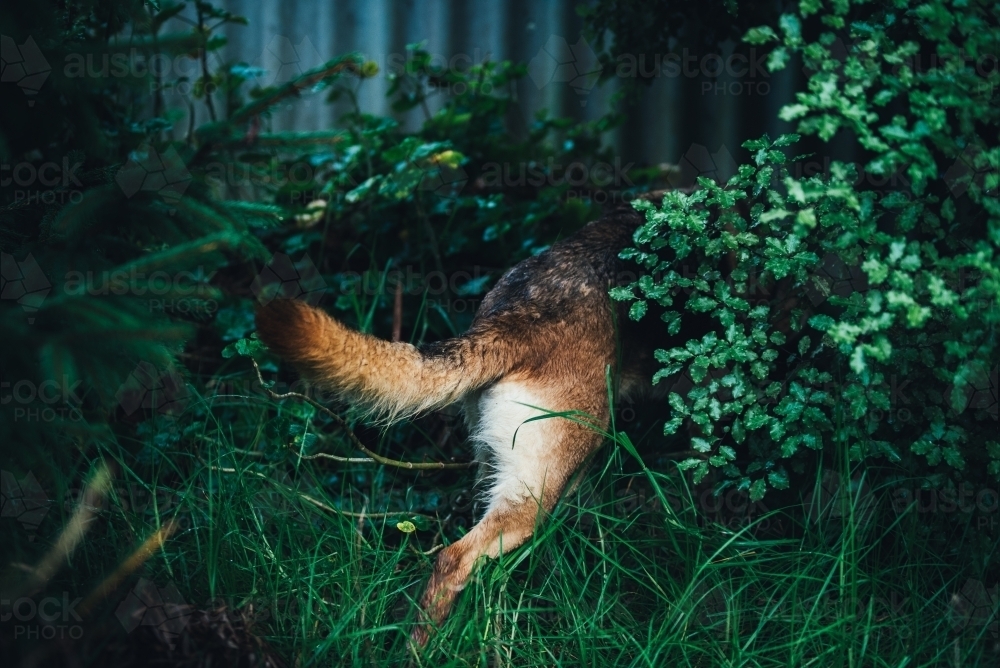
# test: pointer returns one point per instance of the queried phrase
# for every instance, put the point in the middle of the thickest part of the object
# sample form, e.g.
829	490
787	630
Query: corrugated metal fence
715	100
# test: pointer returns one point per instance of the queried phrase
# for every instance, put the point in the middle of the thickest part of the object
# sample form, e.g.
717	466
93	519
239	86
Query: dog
546	339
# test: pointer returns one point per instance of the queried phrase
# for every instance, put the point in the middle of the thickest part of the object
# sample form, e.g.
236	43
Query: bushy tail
389	380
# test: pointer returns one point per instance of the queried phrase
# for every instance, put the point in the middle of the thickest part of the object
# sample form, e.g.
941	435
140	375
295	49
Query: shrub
845	317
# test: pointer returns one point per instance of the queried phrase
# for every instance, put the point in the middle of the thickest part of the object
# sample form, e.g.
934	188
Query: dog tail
388	380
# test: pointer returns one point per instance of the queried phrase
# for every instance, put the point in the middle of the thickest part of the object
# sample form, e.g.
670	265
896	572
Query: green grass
629	571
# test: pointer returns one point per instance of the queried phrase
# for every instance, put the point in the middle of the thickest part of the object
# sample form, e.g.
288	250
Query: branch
336	458
316	502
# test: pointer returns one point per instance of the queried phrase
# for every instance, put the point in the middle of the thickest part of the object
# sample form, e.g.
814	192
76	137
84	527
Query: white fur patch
515	466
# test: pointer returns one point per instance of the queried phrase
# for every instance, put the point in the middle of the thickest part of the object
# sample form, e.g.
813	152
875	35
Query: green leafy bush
837	307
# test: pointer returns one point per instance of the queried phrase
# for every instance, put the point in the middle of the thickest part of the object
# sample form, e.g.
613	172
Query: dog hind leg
529	464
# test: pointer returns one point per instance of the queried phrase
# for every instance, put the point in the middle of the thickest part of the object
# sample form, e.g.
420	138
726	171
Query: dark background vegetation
820	484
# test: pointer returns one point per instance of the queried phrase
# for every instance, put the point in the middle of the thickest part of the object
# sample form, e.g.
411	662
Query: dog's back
542	342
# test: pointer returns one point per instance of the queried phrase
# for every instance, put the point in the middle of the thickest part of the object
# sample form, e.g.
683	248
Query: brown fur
391	380
544	336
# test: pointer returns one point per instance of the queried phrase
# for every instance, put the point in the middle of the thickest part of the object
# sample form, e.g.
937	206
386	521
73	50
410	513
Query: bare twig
426	553
413	466
316	502
345	460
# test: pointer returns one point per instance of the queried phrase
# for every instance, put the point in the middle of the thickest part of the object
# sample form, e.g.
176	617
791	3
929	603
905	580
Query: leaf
755	418
622	293
774	214
792	27
760	35
689	463
756	144
700	444
807	217
823	323
244	347
804	345
666	372
739	434
786	140
777	59
671	426
701	304
406	526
